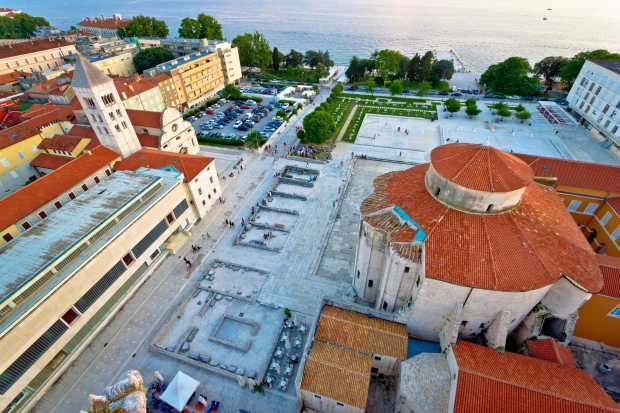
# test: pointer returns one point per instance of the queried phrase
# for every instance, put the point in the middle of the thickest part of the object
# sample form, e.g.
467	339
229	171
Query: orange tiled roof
188	165
610	267
131	87
492	251
481	167
44	114
60	142
369	335
550	350
78	32
50	161
614	203
493	382
144	118
161	78
38	193
31	46
18	133
390	224
9	78
338	374
148	141
575	173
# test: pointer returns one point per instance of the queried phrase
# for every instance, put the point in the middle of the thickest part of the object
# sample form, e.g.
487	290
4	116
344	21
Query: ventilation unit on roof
14	136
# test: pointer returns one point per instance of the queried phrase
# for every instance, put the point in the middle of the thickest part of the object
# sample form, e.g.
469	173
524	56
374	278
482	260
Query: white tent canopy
179	390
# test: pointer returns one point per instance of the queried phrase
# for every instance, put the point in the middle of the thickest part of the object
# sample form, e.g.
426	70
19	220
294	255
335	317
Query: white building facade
595	98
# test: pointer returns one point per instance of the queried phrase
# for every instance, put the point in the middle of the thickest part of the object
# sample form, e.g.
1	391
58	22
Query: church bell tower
104	109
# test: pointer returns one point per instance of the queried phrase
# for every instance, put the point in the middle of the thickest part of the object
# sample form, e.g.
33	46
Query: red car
210	112
246	107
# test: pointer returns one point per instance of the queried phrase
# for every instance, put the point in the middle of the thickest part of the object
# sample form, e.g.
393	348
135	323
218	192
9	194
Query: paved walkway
346	123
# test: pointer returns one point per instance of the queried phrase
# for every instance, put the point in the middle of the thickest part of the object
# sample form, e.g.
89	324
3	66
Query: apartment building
114	64
65	277
171	90
34	55
200	76
595	98
140	93
103	26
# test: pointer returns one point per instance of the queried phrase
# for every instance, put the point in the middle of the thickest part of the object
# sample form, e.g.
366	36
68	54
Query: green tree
143	26
243	42
379	81
254	140
414	72
404	68
367	66
388	63
472	110
435	80
571	69
523	115
301	134
471	102
519	108
318	126
311	58
355	71
281	113
231	90
338	89
314	87
550	67
509	75
396	88
424	88
504	112
20	26
72	28
369	89
444	68
275	58
262	51
294	58
321	70
147	58
426	66
453	106
209	27
189	29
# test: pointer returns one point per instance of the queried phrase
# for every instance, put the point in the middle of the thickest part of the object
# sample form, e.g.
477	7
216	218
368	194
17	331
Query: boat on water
544	18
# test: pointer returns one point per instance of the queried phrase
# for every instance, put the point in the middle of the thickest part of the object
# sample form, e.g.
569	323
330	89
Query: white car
250	102
514	97
249	122
284	105
216	106
237	124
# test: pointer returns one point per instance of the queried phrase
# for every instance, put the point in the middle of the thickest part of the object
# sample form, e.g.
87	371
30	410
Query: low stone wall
297	182
301	171
204	366
291	196
284	211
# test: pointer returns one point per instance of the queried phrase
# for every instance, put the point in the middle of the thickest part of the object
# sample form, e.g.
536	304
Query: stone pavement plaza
379	130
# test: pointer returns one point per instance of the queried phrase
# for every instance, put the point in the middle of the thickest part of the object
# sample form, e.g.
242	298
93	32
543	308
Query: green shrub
329	100
294	111
319	109
219	141
300	106
301	134
332	96
257	99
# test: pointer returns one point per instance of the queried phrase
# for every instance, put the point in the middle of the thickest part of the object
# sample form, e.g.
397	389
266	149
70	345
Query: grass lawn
353	129
382	99
344	112
24	106
307	76
443	85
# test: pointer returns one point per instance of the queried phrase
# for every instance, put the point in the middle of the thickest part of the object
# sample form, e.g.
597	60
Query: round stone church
470	245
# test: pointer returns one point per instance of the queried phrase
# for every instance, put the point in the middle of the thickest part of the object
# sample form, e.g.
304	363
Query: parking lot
240	113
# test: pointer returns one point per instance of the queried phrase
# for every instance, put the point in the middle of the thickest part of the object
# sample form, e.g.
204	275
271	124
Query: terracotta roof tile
409	251
161	78
493	382
132	87
338	374
369	335
492	251
188	165
614	203
550	350
575	173
144	118
148	141
11	77
50	161
481	167
610	267
38	193
31	46
18	133
60	142
389	223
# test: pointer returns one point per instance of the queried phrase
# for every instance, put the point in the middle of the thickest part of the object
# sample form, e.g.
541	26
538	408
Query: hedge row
219	141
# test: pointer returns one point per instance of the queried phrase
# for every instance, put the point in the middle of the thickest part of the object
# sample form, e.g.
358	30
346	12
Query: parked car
543	99
265	134
249	122
216	105
210	111
244	127
501	97
246	106
269	129
527	98
514	97
432	92
489	96
444	93
475	91
191	119
405	90
457	94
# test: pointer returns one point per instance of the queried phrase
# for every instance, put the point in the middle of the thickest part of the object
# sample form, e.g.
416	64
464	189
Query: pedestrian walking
208	235
227	223
400	154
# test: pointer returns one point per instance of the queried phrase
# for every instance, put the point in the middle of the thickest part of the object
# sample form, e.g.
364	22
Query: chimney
131	88
87	152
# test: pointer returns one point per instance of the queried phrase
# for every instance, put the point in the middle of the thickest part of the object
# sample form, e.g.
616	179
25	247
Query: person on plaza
227	223
208	235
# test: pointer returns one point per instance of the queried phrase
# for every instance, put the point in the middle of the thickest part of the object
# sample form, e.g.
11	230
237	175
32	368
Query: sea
479	32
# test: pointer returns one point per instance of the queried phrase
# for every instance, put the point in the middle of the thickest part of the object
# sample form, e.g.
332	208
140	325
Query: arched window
490	207
437	191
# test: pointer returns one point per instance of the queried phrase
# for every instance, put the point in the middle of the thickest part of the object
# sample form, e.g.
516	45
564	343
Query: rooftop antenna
488	139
